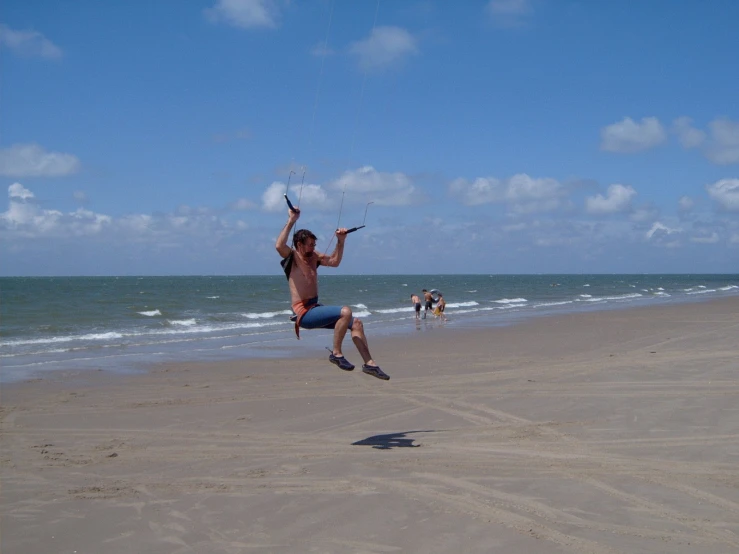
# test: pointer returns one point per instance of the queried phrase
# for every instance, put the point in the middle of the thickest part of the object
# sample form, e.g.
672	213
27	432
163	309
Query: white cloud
527	195
660	230
641	214
84	222
711	238
246	14
243	204
521	193
685	204
26	219
136	223
515	227
509	13
629	136
689	136
385	47
723	148
31	160
29	43
273	199
726	193
388	189
305	195
312	196
483	190
617	199
16	191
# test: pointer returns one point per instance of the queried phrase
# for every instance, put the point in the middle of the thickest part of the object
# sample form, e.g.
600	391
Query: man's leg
370	367
340	329
360	341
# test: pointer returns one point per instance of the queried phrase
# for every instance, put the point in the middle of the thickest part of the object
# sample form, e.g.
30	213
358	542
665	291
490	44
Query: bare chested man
428	300
301	268
416	301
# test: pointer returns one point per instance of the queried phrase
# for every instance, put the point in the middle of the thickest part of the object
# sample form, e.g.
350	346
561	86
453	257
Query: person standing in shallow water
301	269
416	301
441	306
428	299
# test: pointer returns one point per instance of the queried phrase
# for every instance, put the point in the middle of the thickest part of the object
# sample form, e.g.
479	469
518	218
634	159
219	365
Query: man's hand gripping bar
290	204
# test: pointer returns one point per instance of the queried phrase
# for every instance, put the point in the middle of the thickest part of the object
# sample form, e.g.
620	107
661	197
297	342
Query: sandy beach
601	432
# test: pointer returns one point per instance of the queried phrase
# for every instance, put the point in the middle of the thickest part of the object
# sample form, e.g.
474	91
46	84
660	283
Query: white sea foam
395	310
703	290
54	340
476	310
213	328
212	297
586	296
462	304
181	328
183	322
510	301
728	287
151	313
99	336
267	315
617	297
548	304
360	306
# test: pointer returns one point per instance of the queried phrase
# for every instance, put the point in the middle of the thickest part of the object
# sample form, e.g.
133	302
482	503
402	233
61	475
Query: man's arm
335	258
281	245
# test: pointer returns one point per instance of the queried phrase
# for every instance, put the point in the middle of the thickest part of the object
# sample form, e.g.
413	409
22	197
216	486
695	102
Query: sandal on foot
341	361
375	371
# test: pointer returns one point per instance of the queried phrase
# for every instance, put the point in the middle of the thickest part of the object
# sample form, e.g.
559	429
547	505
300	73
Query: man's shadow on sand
391	440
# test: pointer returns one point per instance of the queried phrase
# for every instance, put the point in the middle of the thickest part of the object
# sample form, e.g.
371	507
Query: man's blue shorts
322	317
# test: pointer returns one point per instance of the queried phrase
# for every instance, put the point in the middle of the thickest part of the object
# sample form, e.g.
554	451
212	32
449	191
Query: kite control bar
290	204
295	210
363	221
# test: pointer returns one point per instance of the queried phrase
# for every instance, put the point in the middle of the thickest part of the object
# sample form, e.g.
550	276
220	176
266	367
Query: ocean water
124	324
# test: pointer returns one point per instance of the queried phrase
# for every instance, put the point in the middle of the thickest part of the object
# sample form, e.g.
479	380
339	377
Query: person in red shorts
300	264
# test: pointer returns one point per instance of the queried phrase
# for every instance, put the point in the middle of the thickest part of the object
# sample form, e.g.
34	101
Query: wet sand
603	432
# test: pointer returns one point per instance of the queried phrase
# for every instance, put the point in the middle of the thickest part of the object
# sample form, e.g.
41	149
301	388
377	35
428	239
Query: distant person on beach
440	307
428	299
416	301
300	264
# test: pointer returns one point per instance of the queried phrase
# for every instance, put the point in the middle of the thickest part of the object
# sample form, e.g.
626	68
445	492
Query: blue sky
501	136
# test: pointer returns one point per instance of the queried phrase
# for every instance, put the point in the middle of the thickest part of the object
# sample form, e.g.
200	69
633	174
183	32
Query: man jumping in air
301	269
